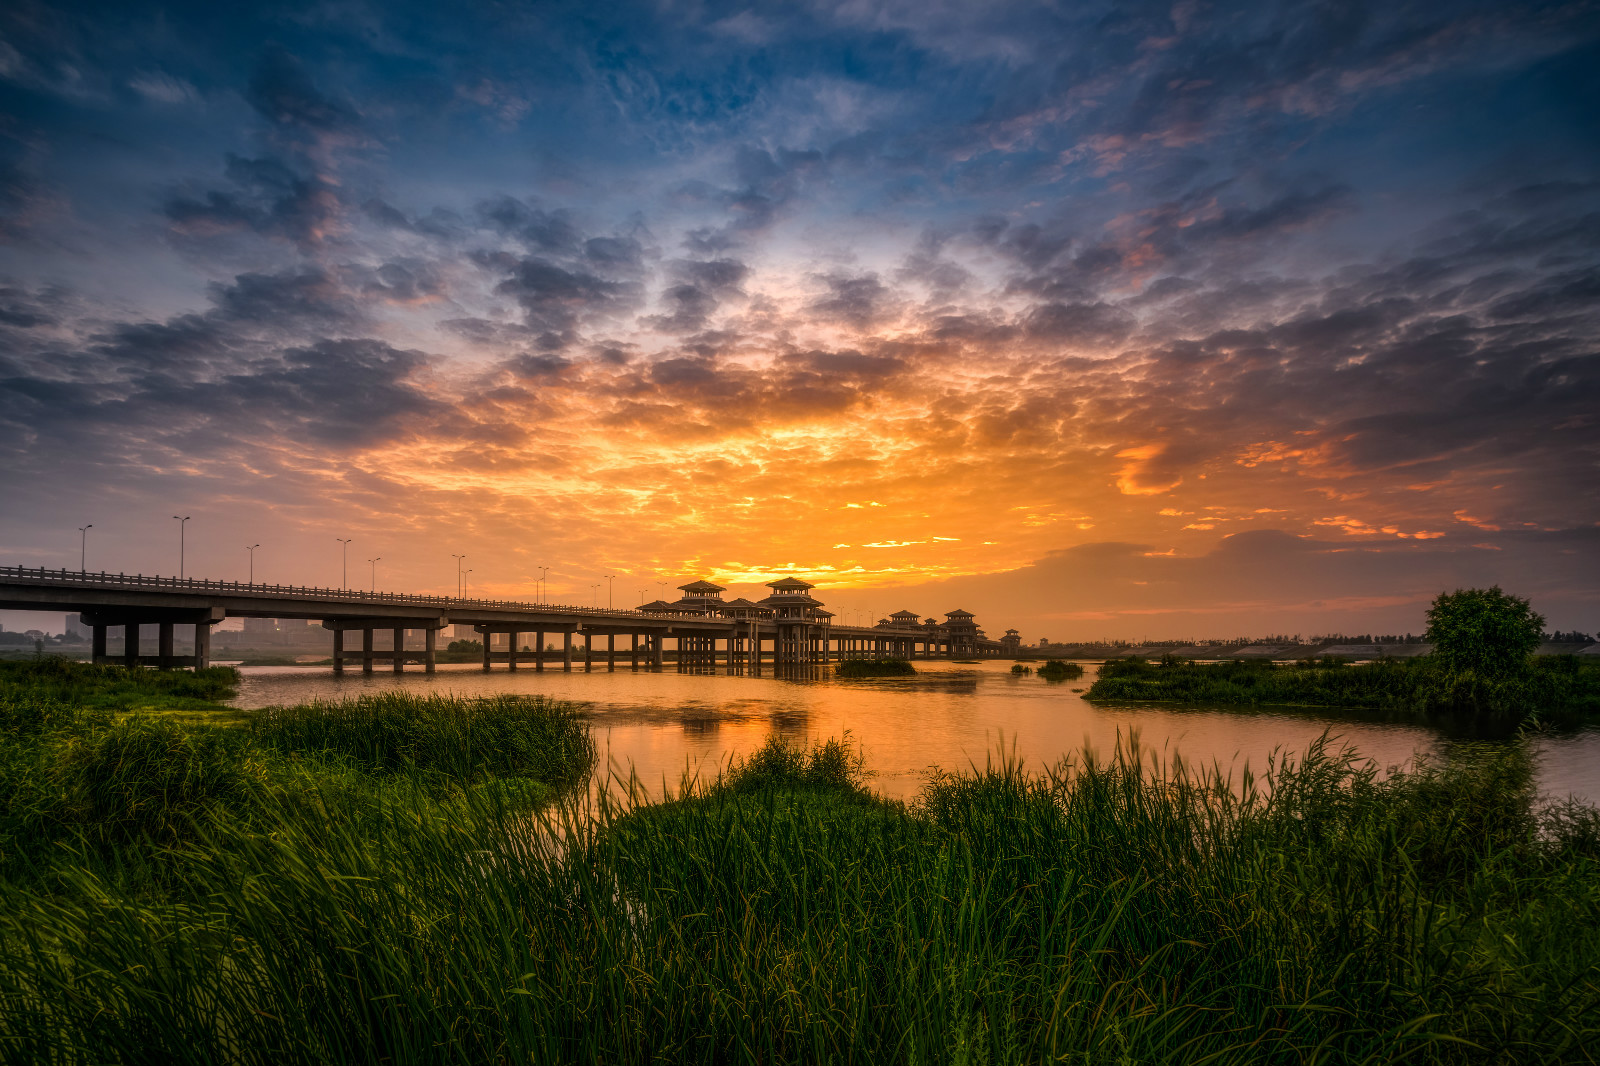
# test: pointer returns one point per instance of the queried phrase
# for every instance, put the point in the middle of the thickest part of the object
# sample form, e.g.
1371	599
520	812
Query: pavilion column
338	652
164	646
202	645
566	650
97	652
130	644
366	651
430	647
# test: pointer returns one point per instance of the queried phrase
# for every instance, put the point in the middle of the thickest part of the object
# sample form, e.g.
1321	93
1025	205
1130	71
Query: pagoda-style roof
658	607
701	586
821	614
930	621
901	616
693	605
959	613
790	599
740	602
789	583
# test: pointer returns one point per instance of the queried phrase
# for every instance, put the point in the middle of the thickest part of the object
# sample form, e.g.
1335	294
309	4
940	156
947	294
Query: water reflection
950	715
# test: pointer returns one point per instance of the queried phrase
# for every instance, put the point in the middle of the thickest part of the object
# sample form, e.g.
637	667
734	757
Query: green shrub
1057	670
874	668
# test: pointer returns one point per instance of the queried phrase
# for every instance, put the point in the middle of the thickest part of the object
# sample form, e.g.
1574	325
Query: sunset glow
1118	321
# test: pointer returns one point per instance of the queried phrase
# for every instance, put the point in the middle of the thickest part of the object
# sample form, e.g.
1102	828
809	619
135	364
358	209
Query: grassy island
874	668
396	879
1056	670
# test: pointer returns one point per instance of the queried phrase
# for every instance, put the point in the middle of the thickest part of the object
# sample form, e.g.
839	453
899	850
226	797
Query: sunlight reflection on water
950	716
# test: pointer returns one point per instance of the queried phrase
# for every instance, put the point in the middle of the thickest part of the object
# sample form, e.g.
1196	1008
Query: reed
110	687
1105	910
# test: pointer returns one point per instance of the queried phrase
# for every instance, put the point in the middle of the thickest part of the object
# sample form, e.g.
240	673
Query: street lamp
641	594
609	587
464	574
596	589
373	562
251	548
344	581
459	560
83	548
542	589
183	524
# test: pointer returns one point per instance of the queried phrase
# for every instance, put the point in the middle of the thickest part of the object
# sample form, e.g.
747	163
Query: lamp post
641	594
344	580
459	560
183	524
373	562
609	589
542	588
595	588
83	548
464	574
251	548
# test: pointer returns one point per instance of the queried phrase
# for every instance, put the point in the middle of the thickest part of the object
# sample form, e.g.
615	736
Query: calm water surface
950	716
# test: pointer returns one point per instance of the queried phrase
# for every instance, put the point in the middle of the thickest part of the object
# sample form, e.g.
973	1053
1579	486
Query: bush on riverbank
874	668
1561	689
1057	670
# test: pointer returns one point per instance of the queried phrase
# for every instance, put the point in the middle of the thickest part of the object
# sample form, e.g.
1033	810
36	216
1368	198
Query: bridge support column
633	650
366	651
338	652
164	646
399	651
202	645
566	650
130	645
611	652
511	659
487	638
588	652
430	649
658	650
97	651
538	647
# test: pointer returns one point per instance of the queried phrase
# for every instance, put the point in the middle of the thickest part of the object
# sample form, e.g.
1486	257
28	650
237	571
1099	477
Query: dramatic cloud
1096	319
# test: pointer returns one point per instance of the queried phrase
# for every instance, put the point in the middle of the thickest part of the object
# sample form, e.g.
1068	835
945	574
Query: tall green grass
1117	911
109	687
1557	689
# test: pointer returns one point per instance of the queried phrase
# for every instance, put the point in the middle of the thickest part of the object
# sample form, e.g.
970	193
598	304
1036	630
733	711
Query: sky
1118	320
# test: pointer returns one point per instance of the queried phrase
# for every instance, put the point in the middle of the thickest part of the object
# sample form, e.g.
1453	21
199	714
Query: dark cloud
860	301
282	92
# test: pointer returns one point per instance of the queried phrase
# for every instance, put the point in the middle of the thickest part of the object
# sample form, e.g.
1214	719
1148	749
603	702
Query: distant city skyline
1100	320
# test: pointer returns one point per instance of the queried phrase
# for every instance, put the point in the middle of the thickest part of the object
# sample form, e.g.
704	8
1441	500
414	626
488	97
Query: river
950	716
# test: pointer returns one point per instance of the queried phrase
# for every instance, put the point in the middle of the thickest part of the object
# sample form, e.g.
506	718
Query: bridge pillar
202	645
97	651
130	645
566	650
487	637
338	652
511	657
430	646
633	650
538	649
611	651
658	649
588	651
399	651
164	646
366	650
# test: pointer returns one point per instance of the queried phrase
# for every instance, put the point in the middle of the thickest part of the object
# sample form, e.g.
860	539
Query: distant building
1011	642
76	631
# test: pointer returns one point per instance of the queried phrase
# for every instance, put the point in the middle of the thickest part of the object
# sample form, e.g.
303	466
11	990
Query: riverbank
1556	690
371	881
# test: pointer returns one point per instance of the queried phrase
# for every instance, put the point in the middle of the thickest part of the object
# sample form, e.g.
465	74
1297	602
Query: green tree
1483	630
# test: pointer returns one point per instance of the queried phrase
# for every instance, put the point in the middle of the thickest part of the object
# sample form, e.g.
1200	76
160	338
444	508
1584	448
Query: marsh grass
303	892
117	688
1561	690
874	668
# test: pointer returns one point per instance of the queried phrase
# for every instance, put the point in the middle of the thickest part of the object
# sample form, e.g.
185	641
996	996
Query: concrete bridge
787	628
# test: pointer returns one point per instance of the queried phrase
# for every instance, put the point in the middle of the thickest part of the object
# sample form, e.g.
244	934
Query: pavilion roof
959	613
790	600
701	586
789	583
740	602
657	607
905	614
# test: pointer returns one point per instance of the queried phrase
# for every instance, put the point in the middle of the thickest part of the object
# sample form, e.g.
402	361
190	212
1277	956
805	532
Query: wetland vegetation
421	880
874	668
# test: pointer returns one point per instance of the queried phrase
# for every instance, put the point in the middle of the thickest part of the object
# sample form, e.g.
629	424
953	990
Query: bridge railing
156	582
